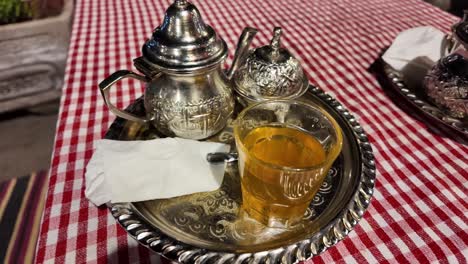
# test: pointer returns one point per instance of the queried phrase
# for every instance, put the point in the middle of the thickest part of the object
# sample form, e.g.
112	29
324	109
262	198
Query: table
420	207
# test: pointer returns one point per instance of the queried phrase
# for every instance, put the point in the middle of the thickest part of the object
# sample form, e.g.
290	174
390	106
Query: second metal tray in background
411	91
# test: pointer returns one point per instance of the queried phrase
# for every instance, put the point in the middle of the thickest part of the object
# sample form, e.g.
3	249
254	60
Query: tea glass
286	149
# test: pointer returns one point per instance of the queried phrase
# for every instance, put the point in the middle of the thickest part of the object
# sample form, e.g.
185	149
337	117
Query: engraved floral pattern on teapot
192	119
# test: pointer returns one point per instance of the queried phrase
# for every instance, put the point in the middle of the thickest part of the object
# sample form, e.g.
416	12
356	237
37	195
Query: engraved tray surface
211	228
410	87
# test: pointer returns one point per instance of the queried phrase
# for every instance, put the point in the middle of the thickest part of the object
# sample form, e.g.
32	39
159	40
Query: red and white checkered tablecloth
419	212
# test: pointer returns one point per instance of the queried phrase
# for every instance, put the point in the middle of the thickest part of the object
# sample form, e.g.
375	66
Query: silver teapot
187	94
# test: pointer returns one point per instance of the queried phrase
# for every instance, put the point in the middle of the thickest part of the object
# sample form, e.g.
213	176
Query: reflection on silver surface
217	157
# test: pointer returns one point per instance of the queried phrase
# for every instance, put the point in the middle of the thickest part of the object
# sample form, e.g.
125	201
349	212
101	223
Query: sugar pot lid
270	72
183	42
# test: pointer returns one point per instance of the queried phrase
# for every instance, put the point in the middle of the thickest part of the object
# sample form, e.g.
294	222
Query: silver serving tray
211	228
410	88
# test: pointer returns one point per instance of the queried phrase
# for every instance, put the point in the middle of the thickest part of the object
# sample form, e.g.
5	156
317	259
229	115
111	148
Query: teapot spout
242	49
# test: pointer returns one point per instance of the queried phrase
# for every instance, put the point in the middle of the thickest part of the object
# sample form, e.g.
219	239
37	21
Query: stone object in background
32	59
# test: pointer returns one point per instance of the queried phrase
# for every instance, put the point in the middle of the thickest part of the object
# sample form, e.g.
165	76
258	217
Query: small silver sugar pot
446	84
270	72
187	93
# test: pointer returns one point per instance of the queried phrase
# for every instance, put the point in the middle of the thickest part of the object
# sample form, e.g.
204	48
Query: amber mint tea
283	164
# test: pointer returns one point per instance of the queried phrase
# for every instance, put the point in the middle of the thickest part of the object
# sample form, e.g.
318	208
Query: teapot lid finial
180	2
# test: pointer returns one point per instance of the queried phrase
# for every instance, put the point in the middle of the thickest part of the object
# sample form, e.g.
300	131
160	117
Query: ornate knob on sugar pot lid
270	72
183	42
273	53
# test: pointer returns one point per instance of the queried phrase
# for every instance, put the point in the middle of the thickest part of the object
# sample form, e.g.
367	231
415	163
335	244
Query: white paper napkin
131	171
414	43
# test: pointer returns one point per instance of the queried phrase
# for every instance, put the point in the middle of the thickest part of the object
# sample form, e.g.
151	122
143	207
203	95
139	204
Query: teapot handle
105	86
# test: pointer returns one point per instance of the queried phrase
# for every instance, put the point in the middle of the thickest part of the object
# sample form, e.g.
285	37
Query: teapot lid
183	42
